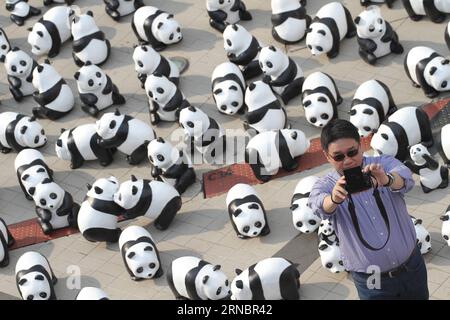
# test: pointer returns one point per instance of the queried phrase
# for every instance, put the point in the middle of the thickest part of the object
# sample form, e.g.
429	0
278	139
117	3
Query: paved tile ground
202	227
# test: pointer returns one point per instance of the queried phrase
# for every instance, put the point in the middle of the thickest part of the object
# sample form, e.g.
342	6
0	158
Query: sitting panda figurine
5	46
147	61
242	49
303	216
268	151
264	111
289	20
432	176
31	170
19	68
96	89
273	278
117	9
445	230
222	13
366	3
129	135
140	254
371	105
165	99
247	213
51	31
156	28
89	42
82	144
428	70
423	236
320	98
376	38
195	279
436	10
228	87
332	23
281	72
54	96
18	131
327	233
98	215
91	293
34	277
21	11
330	256
170	165
6	241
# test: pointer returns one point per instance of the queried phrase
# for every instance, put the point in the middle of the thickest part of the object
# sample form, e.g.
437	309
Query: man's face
348	147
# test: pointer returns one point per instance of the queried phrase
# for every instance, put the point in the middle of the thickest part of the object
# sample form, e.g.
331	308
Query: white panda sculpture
445	230
303	216
289	20
165	99
129	135
31	170
436	10
247	213
117	9
366	3
170	165
19	68
330	256
269	151
18	131
91	293
228	87
51	31
281	72
20	11
89	42
423	236
6	241
148	61
332	23
273	278
34	277
442	144
195	279
242	49
156	28
96	89
140	254
222	13
320	98
428	70
5	46
371	105
406	127
54	96
156	200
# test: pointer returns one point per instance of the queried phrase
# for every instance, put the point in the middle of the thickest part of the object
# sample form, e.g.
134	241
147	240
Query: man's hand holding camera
379	176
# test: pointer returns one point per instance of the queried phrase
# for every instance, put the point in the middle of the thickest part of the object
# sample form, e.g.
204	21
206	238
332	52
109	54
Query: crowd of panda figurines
20	11
117	9
423	236
223	13
303	216
91	293
6	241
289	20
19	68
329	251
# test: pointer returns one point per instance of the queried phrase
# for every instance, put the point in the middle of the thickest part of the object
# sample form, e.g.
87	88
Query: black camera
356	180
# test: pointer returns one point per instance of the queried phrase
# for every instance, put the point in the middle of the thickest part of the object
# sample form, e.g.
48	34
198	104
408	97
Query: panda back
269	272
132	233
139	18
373	89
60	17
30	259
414	56
180	268
284	6
239	191
417	6
89	218
445	133
4	233
162	193
228	68
138	133
27	156
306	184
264	143
335	11
82	136
319	79
406	117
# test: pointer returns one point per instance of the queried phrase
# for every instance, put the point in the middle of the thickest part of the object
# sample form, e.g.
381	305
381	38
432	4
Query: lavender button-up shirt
355	255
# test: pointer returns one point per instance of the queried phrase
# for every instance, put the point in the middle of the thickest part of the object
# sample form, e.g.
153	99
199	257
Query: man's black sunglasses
340	157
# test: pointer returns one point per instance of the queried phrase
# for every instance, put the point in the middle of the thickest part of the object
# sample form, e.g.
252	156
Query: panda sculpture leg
100	235
105	156
168	214
290	289
112	13
252	70
351	28
444	177
117	98
425	189
368	57
258	167
77	61
16	93
138	155
185	180
435	15
292	90
412	15
243	13
4	149
395	45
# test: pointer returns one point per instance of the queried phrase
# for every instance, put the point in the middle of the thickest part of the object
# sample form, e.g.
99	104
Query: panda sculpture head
168	30
417	152
32	176
34	277
384	141
104	189
5	46
193	121
129	193
83	25
236	39
365	118
90	78
48	195
318	109
224	5
438	76
272	61
18	63
228	97
145	59
109	124
296	140
214	283
162	154
423	236
34	286
141	259
303	216
45	76
91	293
259	94
159	88
31	134
319	39
370	24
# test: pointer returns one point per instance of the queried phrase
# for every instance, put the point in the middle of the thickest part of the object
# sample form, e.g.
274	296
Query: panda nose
255	233
306	231
221	1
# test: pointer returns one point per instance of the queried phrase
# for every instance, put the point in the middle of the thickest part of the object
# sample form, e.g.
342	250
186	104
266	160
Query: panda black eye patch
53	196
112	125
160	90
313	119
246	229
269	64
140	64
23	63
36	139
322	32
134	190
43	202
98	190
253	206
384	136
319	48
322	99
444	84
152	265
190	124
307	103
139	270
160	157
258	224
367	128
171	36
234	88
229	42
39	277
324	116
98	74
148	248
90	82
312	222
13	68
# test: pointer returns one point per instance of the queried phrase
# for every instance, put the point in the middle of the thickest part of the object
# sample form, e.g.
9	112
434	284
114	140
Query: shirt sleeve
391	164
316	197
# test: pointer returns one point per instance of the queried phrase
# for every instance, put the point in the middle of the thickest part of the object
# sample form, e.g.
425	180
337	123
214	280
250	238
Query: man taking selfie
363	197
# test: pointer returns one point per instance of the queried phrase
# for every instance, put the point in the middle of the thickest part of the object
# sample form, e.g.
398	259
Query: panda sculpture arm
431	163
411	166
44	214
218	15
66	205
142	77
14	82
389	34
156	172
367	45
108	87
88	99
112	4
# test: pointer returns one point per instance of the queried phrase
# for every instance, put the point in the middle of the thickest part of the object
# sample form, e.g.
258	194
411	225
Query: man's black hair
338	129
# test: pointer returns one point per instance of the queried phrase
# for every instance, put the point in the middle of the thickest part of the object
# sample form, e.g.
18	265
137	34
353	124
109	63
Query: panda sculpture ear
294	135
323	247
46	180
239	284
62	130
293	207
88	63
352	112
30	29
88	186
31	190
252	86
418	221
22	281
273	48
216	267
374	130
238	271
357	19
433	70
368	111
444	218
308	30
133	178
205	279
192	109
307	103
117	112
40	34
160	140
445	61
131	254
160	25
32	118
40	68
235	27
144	48
15	49
76	75
23	129
90	13
59	143
170	16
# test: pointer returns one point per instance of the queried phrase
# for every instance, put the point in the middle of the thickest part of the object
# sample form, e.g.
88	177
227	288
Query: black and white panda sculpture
247	213
376	38
436	10
54	96
51	31
20	11
156	28
129	135
153	199
242	49
18	131
91	293
89	42
366	3
303	216
269	151
320	98
333	23
371	105
34	277
222	13
19	68
428	70
264	111
281	72
442	143
31	170
5	46
96	89
228	87
170	165
289	20
273	278
445	229
140	254
423	236
327	232
6	241
98	215
195	279
117	9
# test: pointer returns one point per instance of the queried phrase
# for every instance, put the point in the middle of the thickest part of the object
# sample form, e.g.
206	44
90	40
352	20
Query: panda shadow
344	292
260	20
443	251
191	36
64	293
